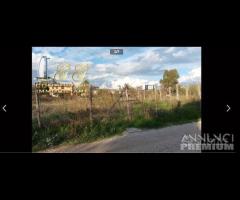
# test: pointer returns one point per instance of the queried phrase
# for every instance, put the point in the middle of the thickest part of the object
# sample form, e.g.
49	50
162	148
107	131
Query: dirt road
165	140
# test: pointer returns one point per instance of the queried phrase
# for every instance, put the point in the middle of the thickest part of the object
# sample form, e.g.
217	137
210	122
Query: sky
137	66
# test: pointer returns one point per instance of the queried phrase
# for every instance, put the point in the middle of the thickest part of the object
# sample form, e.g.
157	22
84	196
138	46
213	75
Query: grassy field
66	120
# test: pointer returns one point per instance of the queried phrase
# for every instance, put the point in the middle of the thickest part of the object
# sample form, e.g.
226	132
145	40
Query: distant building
60	89
149	87
152	87
54	88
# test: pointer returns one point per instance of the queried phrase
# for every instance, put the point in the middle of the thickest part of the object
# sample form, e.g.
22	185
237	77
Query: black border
211	50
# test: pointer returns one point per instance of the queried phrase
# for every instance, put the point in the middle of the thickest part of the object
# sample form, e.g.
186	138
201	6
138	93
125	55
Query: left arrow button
4	108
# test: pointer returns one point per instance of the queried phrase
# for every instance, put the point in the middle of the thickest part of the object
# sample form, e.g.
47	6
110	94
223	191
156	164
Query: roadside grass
165	116
74	127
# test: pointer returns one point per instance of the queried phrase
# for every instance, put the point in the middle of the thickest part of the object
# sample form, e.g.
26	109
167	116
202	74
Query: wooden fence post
177	92
90	104
187	92
160	93
128	110
199	91
37	107
170	92
144	94
155	96
155	93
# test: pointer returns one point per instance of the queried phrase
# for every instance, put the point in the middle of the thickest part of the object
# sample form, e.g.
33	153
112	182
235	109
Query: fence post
37	107
155	96
128	111
155	93
187	92
90	104
177	93
160	93
199	91
170	92
144	94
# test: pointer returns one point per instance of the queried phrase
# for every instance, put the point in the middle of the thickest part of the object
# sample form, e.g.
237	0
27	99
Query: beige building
60	89
54	88
64	88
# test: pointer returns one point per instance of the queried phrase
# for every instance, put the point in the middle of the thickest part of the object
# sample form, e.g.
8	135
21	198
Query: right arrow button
228	108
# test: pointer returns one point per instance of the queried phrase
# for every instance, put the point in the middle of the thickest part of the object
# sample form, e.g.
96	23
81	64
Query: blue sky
137	66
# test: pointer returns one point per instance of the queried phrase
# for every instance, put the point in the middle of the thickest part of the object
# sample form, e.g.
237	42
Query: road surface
161	140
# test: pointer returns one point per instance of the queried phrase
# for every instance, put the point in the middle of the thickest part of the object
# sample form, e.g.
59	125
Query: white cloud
170	50
151	57
193	76
49	50
134	82
35	60
180	53
194	49
138	63
105	67
99	76
111	71
187	53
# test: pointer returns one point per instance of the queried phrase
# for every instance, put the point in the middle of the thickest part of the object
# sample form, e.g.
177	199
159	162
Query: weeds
72	125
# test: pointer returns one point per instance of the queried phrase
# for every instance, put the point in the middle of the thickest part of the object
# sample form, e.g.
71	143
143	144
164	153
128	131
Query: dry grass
51	105
67	119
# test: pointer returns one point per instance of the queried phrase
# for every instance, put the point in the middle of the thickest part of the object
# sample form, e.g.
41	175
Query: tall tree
86	82
170	79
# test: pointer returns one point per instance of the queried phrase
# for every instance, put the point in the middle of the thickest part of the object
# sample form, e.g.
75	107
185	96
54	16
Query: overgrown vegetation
67	120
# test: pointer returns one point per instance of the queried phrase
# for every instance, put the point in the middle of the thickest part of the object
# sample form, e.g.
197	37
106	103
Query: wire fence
101	104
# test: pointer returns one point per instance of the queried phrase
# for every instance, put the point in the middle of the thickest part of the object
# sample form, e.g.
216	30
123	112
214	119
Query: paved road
165	140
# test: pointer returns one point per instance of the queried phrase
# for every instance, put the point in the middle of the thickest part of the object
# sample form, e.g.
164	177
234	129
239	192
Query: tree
86	82
127	86
194	90
170	79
